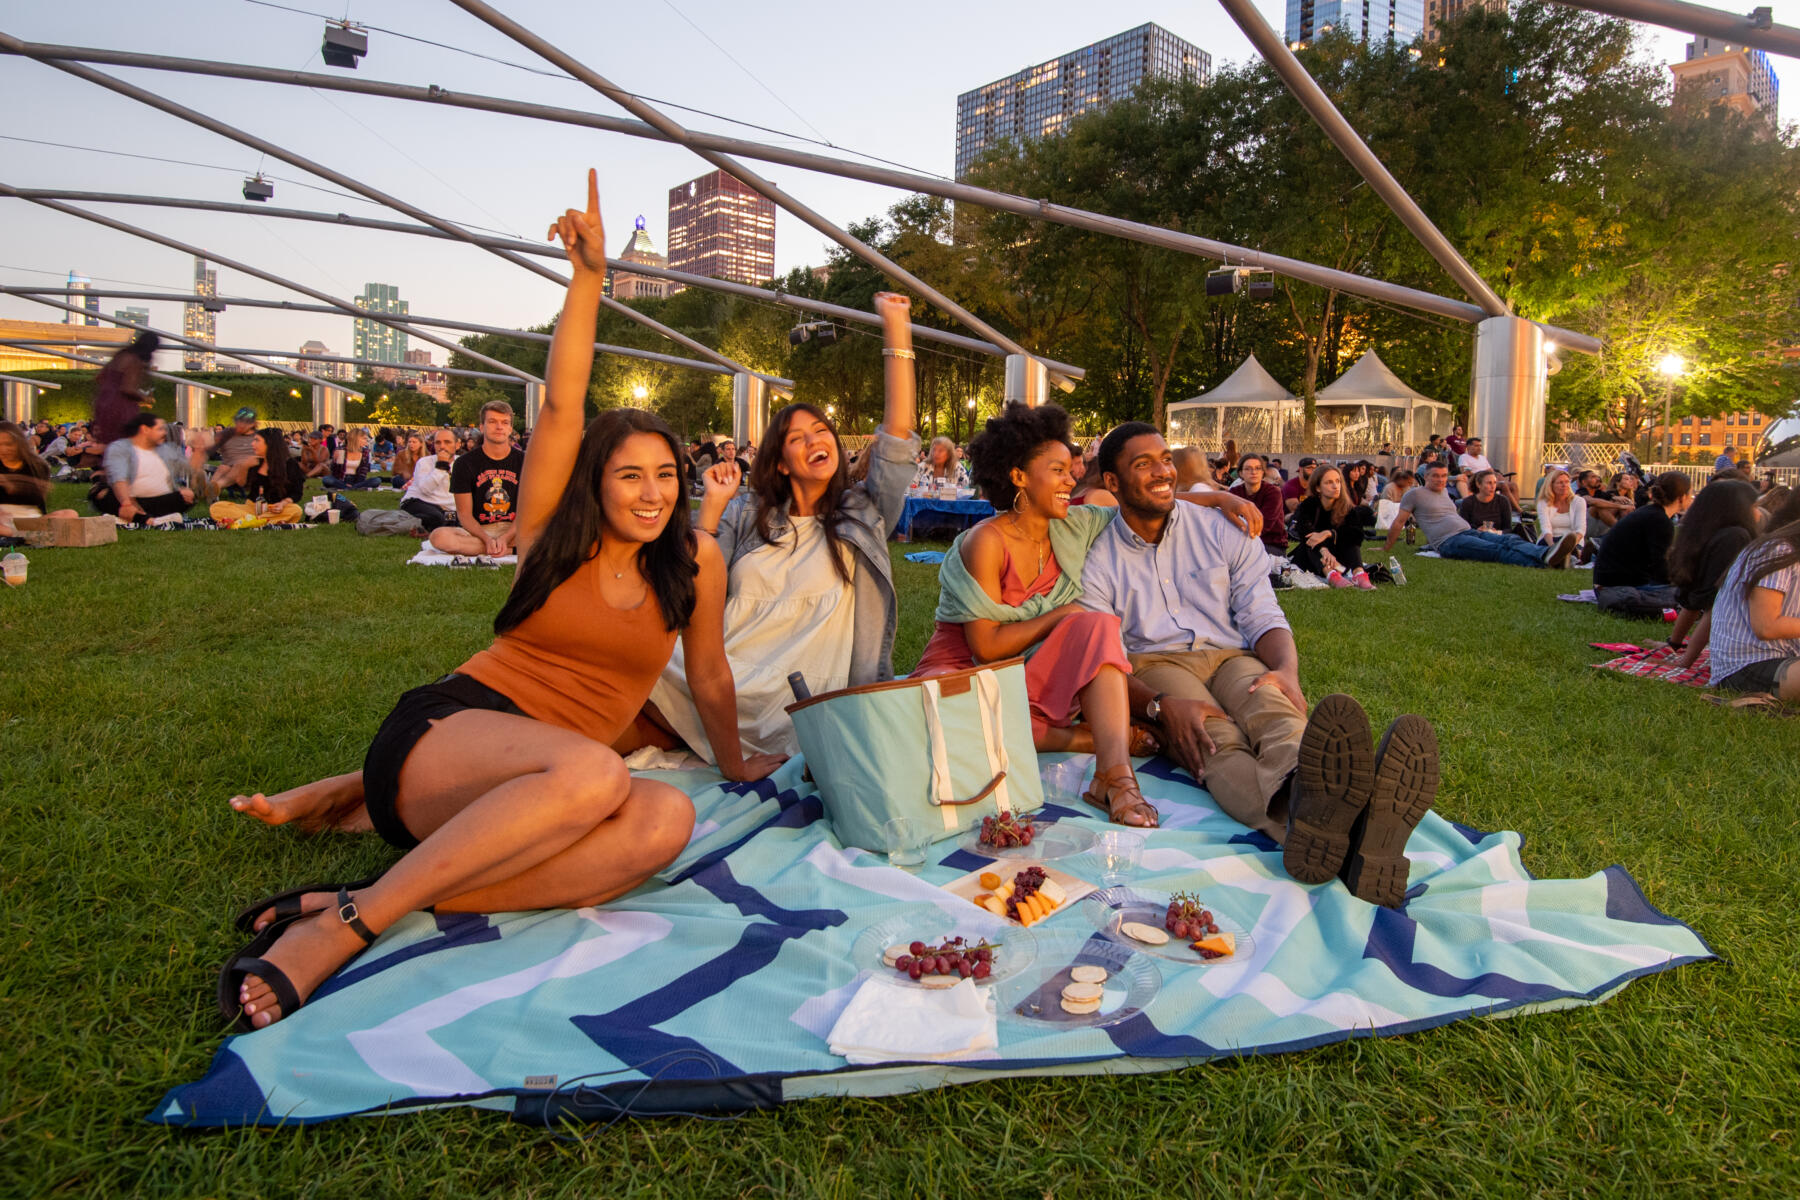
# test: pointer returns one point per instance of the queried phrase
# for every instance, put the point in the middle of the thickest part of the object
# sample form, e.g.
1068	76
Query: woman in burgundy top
500	777
1253	485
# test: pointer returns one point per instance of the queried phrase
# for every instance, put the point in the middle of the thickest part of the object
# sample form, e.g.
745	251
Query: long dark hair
275	464
1722	504
774	491
571	537
1669	487
1012	439
1785	542
35	466
1334	511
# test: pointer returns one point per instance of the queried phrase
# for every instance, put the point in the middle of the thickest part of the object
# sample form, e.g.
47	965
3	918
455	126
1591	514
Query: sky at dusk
882	79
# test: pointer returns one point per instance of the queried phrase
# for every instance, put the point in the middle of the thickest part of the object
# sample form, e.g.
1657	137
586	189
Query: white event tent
1366	406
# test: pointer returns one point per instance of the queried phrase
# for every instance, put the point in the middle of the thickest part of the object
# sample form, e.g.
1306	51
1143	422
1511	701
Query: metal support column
190	405
21	398
1027	381
534	404
327	405
1506	405
749	409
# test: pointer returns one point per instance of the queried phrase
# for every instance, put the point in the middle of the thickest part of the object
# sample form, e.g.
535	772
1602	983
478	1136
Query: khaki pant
1257	748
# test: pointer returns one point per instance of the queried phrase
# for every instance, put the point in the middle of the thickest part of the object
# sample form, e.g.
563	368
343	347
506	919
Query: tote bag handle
987	693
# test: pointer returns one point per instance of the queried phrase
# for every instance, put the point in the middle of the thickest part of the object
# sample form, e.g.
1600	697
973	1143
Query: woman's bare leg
334	804
491	796
1106	712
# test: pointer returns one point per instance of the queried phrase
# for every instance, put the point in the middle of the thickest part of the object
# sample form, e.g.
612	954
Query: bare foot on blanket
334	805
308	953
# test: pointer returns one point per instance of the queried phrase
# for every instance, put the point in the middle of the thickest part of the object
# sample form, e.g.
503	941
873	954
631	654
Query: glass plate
1015	947
1049	842
1034	997
1110	908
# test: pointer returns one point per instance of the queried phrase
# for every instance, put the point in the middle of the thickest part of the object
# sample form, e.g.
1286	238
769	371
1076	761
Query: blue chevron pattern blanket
714	987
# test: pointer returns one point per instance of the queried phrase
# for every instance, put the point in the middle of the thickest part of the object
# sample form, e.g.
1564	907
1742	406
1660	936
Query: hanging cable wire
179	162
519	66
669	4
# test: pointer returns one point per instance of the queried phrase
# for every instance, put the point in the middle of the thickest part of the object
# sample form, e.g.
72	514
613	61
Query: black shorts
1764	676
400	732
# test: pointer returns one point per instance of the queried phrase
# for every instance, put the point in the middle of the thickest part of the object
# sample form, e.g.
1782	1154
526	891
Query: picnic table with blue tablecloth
960	513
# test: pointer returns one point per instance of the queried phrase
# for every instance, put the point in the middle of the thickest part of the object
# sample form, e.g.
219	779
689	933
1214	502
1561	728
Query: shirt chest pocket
1205	585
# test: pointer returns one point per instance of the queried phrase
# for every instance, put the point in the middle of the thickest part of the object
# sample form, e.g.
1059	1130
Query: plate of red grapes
1014	835
1178	926
925	948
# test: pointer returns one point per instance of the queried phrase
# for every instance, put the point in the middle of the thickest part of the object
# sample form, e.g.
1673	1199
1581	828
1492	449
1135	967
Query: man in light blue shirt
1215	670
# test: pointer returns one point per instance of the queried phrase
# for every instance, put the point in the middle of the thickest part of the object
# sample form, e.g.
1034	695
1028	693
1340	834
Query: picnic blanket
429	557
715	986
1657	663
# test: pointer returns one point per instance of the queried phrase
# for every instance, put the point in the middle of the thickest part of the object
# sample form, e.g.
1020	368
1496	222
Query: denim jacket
121	463
870	508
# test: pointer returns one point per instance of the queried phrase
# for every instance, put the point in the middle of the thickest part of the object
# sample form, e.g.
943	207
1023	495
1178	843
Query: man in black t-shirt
485	486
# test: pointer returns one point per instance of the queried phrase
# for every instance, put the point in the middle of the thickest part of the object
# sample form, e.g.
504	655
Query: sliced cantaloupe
1218	943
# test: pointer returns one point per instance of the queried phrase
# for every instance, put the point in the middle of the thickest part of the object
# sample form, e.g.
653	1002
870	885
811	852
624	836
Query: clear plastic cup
905	839
1119	853
13	566
331	516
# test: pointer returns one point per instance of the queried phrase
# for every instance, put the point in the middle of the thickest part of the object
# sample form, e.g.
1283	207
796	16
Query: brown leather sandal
1120	783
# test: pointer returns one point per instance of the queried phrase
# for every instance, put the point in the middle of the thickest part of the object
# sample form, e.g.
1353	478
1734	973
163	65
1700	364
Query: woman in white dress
811	586
1561	510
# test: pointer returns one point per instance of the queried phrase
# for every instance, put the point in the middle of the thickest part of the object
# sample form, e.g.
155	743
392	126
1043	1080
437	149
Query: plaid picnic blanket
1657	663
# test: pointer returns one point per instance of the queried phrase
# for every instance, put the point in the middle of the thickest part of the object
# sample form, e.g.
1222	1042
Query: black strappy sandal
249	961
287	904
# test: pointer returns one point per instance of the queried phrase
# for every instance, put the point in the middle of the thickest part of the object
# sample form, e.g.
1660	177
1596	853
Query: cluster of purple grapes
1186	919
954	957
1006	830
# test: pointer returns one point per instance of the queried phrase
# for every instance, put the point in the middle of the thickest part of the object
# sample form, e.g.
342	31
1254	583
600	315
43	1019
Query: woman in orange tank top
500	777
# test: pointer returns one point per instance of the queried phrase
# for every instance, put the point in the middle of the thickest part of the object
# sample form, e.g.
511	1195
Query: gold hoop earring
1018	495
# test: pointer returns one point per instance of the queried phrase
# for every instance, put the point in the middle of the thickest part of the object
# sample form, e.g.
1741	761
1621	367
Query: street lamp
1671	365
640	392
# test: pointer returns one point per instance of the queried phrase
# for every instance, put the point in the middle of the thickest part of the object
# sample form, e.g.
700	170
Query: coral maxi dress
1067	660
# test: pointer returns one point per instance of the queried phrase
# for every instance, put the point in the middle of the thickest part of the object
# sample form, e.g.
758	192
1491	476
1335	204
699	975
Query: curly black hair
1012	439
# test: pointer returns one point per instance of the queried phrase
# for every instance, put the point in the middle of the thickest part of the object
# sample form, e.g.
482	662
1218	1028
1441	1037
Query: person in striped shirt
1756	618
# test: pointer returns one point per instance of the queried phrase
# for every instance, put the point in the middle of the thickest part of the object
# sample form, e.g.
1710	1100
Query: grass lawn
148	681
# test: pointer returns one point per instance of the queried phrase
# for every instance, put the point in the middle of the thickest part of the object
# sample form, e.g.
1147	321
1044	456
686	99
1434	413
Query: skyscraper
82	297
197	321
720	229
374	340
1364	20
1727	73
1037	101
640	249
138	316
324	370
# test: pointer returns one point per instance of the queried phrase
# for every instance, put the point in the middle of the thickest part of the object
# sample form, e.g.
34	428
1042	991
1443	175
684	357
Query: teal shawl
961	599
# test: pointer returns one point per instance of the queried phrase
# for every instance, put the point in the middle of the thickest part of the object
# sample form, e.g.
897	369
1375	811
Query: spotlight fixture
212	304
1261	285
822	332
344	44
258	188
1223	282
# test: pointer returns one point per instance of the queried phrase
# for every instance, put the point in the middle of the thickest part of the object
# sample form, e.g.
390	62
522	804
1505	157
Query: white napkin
886	1022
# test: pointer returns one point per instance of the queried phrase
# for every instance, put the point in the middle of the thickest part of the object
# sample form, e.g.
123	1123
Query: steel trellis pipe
1752	30
749	291
343	306
1318	105
144	96
523	335
739	171
209	347
962	193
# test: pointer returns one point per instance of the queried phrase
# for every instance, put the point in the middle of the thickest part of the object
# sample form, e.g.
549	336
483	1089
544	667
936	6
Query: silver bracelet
898	353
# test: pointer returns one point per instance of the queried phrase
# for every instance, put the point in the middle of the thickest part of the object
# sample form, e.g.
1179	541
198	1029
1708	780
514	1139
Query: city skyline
908	119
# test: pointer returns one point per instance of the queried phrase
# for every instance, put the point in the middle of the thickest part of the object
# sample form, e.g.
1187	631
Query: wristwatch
1153	710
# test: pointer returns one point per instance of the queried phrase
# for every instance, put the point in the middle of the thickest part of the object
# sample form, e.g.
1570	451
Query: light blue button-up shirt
1204	584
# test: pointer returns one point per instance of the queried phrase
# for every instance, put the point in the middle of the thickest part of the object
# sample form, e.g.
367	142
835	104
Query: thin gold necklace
1034	543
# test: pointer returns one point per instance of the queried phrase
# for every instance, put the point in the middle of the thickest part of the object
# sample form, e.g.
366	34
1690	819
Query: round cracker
1081	1008
894	954
939	981
1081	993
1150	935
1089	974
